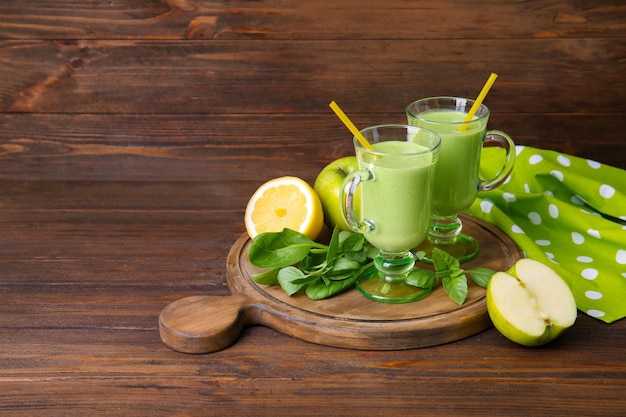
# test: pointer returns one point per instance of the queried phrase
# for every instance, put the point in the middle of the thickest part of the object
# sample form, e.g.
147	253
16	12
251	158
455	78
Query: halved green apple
530	304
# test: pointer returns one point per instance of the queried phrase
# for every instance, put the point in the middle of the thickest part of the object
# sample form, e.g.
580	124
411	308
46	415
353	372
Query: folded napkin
569	213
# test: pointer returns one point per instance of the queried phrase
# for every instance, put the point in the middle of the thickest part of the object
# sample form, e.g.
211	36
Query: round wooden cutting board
200	324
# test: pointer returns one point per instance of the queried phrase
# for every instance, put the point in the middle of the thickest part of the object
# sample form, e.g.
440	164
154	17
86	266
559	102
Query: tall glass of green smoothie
388	199
457	182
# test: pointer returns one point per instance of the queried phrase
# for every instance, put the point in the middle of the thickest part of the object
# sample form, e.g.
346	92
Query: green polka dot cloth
569	213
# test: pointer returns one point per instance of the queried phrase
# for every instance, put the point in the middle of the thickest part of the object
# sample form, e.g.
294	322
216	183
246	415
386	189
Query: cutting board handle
202	323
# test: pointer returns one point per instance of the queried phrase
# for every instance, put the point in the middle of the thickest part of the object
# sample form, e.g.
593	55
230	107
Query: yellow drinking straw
479	99
357	134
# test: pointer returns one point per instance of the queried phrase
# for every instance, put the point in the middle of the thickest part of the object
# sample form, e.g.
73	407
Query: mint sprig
453	278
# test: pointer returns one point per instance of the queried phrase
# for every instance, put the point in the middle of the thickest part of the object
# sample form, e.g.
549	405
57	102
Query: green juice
456	179
397	199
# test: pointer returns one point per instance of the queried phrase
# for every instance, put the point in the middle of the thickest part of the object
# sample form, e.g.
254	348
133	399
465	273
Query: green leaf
342	268
352	242
313	262
343	264
422	278
307	263
280	249
269	277
333	246
371	251
296	276
456	287
325	280
338	276
358	256
481	276
420	255
287	276
443	261
453	272
318	290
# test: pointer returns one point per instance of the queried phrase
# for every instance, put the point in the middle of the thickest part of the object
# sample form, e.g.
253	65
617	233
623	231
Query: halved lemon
285	202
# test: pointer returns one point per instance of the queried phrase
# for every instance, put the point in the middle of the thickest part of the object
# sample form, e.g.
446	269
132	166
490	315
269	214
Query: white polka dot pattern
554	211
594	295
607	191
577	238
508	197
486	206
571	213
594	164
590	274
557	174
594	233
535	218
563	160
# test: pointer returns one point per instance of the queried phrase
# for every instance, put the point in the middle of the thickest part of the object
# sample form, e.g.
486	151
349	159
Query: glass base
463	247
397	291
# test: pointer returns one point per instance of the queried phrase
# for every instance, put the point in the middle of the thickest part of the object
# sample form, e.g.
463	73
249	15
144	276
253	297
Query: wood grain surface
132	134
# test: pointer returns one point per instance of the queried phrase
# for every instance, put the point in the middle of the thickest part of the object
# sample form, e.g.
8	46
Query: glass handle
499	139
347	201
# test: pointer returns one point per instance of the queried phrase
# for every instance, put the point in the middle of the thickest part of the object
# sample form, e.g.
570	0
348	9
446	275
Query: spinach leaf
352	242
269	277
280	249
344	264
286	278
333	246
318	290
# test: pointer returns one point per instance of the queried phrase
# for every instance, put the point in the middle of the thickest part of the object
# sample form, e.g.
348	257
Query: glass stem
444	229
394	266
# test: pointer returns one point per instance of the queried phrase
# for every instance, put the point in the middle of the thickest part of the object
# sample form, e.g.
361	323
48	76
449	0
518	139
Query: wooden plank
66	225
268	372
539	76
326	19
246	148
205	395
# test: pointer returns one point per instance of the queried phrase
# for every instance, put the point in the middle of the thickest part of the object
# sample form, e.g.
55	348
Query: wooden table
132	134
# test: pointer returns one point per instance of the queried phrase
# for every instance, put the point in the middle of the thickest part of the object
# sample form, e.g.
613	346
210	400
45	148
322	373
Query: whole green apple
530	304
328	186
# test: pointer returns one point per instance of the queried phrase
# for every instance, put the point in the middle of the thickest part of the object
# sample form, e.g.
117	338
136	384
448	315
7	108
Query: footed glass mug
388	199
456	181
